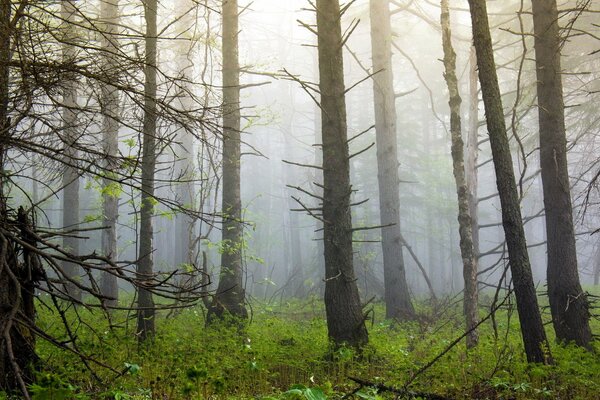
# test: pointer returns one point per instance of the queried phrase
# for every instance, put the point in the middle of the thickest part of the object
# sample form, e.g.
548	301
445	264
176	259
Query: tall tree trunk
467	251
70	178
568	302
145	266
473	150
532	329
230	296
397	297
345	321
109	11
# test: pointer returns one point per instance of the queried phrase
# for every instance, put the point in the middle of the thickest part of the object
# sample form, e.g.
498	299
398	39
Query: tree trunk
568	302
230	296
473	151
397	297
345	321
184	164
110	135
70	178
532	329
145	266
458	166
17	282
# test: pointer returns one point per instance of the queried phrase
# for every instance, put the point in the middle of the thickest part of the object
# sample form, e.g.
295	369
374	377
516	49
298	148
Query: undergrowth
284	353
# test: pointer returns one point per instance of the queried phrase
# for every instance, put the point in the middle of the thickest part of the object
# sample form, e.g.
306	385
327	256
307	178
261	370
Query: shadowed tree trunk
397	297
458	166
532	329
145	266
568	302
70	178
345	321
230	296
109	10
17	280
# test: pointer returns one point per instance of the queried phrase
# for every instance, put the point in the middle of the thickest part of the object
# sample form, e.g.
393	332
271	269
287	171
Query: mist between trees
157	156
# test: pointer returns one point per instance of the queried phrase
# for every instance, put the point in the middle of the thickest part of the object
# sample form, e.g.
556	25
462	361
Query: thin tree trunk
458	166
345	321
397	297
184	165
109	10
70	178
145	266
568	302
473	150
532	329
230	296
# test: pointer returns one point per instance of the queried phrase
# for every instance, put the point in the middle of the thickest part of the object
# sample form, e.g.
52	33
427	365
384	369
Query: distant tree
183	175
145	264
345	320
458	165
69	136
109	10
568	301
532	328
230	295
397	295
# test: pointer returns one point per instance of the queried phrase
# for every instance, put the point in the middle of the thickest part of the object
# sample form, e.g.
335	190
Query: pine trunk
568	302
532	329
145	266
110	130
397	297
70	178
345	321
230	296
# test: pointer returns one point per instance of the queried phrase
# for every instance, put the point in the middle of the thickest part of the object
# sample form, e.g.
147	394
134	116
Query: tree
568	302
145	265
109	10
473	150
230	295
397	296
345	321
69	136
532	329
467	251
184	154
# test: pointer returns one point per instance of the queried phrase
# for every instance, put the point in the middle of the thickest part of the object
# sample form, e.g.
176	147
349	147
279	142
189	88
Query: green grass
286	344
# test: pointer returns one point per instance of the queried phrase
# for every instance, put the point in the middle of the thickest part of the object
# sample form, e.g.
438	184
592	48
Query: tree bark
345	321
230	295
145	265
568	302
532	329
467	251
109	10
70	178
473	150
397	297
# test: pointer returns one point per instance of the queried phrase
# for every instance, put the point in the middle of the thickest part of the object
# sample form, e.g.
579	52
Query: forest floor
284	353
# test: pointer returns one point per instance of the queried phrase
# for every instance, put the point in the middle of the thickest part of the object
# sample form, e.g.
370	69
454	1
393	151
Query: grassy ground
286	344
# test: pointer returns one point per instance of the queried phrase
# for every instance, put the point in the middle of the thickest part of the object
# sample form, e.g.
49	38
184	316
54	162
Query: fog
281	137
